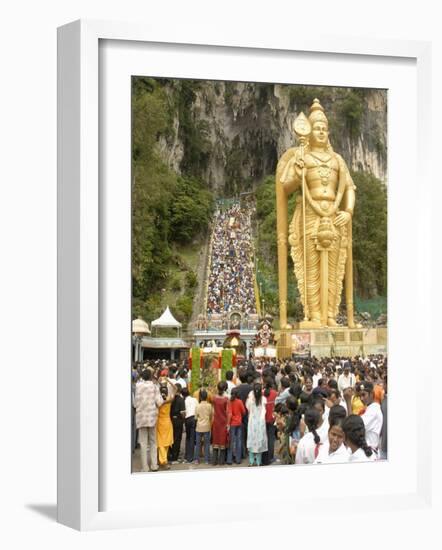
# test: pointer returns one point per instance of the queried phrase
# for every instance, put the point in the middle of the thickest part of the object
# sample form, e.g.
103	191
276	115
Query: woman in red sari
220	424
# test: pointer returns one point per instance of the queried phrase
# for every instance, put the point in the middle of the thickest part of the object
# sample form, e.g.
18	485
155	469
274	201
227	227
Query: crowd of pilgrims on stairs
231	277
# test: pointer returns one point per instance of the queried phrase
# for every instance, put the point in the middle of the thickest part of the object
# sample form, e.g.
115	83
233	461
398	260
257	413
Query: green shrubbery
191	280
195	376
226	362
184	306
351	110
175	284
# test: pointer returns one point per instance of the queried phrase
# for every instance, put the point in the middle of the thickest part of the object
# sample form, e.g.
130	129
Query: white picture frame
82	296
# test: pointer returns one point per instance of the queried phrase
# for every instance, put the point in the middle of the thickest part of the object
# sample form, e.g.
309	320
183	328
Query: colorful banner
301	343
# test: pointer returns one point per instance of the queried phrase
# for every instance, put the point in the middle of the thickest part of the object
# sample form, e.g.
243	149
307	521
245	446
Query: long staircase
230	284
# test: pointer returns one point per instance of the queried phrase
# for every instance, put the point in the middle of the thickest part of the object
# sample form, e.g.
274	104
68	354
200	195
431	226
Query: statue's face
319	135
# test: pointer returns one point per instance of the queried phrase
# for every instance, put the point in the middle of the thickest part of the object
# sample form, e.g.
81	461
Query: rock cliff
231	134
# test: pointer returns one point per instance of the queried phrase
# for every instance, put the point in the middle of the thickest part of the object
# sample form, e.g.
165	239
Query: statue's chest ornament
324	168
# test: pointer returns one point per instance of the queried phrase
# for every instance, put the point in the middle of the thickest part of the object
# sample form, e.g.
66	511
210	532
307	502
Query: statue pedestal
331	341
303	325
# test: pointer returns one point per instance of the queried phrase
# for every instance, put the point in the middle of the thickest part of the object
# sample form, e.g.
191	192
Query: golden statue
320	233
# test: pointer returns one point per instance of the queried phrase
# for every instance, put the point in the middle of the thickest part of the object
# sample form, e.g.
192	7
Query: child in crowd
203	417
236	412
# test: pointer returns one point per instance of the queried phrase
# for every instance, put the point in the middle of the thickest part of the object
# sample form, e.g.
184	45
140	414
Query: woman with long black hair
318	403
308	446
292	431
354	430
256	426
270	394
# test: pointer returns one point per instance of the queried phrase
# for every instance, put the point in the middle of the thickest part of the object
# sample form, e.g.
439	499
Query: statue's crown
317	112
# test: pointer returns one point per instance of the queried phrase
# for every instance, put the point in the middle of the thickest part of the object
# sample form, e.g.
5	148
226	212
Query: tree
370	236
190	210
167	209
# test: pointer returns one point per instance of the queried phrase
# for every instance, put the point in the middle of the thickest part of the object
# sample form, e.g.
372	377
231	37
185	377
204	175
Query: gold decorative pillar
282	229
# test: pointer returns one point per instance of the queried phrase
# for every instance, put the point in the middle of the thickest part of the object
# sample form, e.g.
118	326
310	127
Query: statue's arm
349	199
286	174
347	203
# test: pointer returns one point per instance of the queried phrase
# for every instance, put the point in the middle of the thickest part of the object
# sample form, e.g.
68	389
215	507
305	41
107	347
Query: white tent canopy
166	320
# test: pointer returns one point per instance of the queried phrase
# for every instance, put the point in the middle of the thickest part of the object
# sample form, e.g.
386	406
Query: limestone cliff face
239	130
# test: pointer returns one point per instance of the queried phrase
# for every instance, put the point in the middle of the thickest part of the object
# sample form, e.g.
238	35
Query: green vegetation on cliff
370	237
170	213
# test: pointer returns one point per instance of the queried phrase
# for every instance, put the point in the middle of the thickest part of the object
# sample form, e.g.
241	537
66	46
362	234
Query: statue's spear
302	129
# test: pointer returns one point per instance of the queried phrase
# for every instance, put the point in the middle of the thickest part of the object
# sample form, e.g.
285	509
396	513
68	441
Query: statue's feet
315	317
316	321
331	322
312	323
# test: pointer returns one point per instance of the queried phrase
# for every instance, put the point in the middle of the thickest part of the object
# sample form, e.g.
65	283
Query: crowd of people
311	411
231	281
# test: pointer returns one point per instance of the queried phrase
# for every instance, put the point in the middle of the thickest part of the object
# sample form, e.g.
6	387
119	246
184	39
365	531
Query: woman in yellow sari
164	424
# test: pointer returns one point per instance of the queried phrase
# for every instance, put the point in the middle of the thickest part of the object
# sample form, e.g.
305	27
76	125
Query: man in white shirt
346	379
230	384
316	376
372	416
147	402
190	404
180	379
